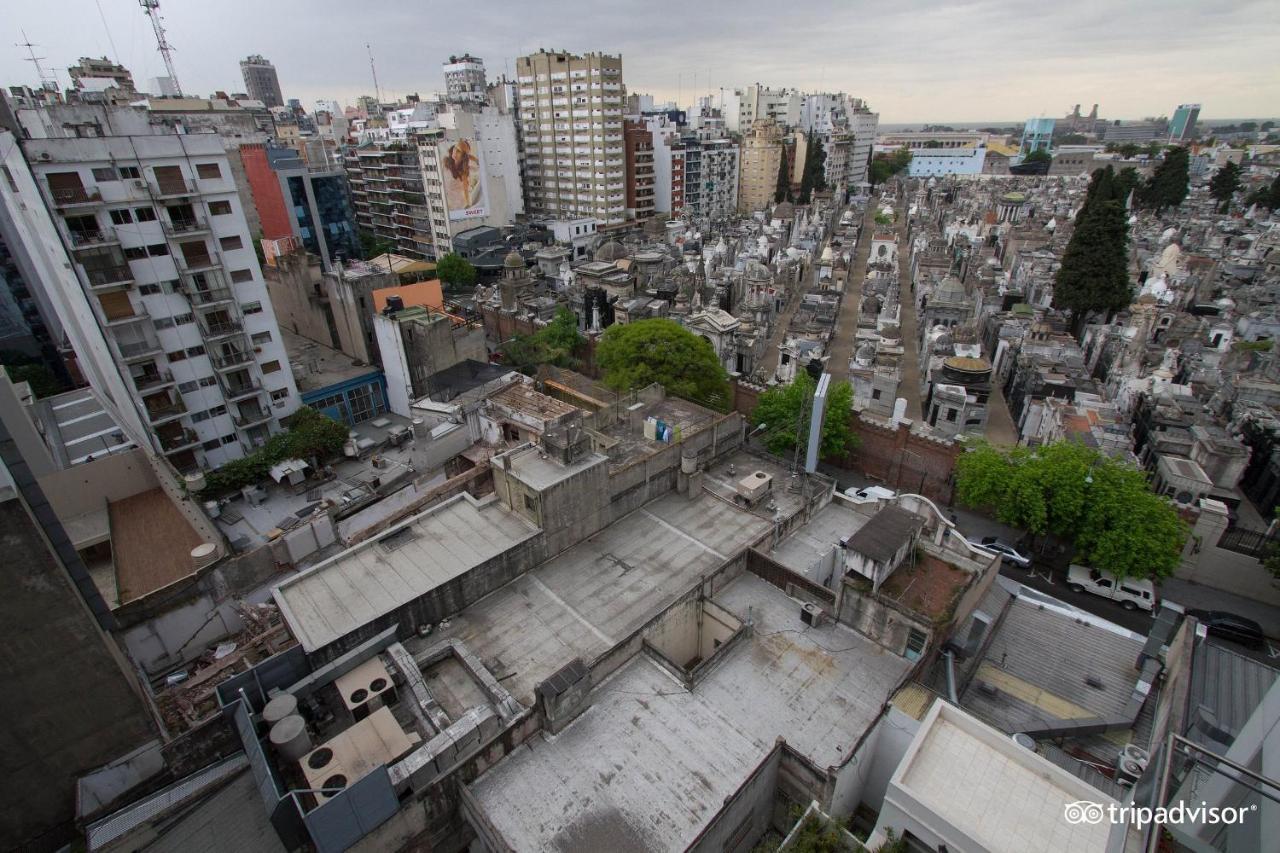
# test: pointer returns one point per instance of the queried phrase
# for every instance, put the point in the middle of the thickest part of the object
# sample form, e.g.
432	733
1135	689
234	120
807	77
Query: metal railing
152	380
221	328
179	441
235	390
108	276
178	227
172	188
75	195
231	359
80	239
161	412
248	419
138	348
208	296
197	264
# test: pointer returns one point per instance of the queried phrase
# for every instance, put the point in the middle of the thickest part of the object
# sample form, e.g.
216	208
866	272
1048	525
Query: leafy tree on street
456	271
633	355
1104	507
1094	275
1224	185
1168	184
786	410
555	344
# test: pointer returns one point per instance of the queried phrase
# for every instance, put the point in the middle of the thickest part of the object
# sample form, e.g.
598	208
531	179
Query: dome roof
756	270
611	251
950	291
514	260
785	210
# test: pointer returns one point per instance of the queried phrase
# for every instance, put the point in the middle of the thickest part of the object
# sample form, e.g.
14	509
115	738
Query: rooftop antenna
152	9
377	93
47	81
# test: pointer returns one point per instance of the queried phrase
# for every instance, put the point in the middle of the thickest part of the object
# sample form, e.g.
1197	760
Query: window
271	367
199	417
530	504
104	174
208	382
217	411
163	322
229	439
156	250
282	394
241	275
121	216
212	444
915	644
208	170
261	338
951	415
251	308
129	173
145	214
148	289
232	242
219	208
875	394
187	387
177	355
135	253
8	177
183	319
195	351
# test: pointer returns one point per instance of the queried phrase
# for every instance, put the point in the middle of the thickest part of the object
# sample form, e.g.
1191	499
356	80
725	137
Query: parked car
1131	593
1229	626
869	494
1011	555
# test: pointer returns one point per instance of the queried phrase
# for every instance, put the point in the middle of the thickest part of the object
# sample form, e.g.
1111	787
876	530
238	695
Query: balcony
152	381
75	197
135	315
109	277
208	296
137	350
251	418
182	439
232	359
199	263
164	412
91	239
171	189
185	227
221	328
239	390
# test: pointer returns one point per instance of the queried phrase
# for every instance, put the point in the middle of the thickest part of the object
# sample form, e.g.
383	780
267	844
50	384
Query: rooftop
353	588
151	542
77	427
316	366
886	532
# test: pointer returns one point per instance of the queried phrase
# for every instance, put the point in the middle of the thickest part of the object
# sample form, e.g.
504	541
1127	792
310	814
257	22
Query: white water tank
281	705
290	738
419	428
689	462
195	482
203	555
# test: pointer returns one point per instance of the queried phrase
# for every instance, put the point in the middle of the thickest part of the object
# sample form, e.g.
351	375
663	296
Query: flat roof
151	541
802	551
1003	797
376	577
886	532
79	428
318	366
539	472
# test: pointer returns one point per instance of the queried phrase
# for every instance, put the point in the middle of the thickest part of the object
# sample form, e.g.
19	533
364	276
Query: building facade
464	80
1037	135
761	156
936	162
1183	125
166	273
260	80
638	144
572	135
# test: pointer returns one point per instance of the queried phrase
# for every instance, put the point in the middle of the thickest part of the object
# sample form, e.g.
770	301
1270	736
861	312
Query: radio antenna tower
152	8
47	82
377	94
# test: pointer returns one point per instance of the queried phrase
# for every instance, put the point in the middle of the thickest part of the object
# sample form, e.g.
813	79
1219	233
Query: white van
1132	593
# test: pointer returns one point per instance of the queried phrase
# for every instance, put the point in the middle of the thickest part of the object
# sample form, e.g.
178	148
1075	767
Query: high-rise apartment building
761	156
464	80
100	69
1184	120
459	173
638	142
260	80
862	125
163	298
572	136
1037	135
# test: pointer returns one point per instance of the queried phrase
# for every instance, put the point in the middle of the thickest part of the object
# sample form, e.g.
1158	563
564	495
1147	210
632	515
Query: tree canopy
1268	197
885	166
23	368
1040	155
1167	186
786	410
1094	275
633	355
308	434
555	343
456	270
782	190
815	172
1224	184
1104	507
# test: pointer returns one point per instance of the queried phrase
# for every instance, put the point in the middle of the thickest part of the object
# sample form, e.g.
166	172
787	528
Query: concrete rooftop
803	549
317	366
357	586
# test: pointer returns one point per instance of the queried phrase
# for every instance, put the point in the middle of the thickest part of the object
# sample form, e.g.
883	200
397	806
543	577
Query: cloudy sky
912	60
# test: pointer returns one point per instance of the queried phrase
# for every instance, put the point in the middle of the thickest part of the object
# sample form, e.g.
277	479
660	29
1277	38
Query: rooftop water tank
290	738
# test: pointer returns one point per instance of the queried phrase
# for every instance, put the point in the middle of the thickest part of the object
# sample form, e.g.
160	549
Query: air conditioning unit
139	184
811	615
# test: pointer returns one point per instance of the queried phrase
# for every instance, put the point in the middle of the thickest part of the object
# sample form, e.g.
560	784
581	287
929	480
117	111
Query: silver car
1011	555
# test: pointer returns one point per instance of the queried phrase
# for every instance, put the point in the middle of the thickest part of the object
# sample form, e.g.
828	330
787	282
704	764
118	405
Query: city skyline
911	70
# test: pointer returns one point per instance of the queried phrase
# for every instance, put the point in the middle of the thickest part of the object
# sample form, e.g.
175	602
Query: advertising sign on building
462	170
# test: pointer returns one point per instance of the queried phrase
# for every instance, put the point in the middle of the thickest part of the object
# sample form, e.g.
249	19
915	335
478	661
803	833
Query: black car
1229	626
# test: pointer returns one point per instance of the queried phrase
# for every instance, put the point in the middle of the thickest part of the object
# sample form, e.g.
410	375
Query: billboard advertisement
462	171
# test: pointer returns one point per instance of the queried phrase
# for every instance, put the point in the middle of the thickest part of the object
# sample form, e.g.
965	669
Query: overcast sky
912	60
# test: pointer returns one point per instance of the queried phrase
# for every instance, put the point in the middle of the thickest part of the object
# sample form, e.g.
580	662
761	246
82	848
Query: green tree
1105	508
1225	184
633	355
1094	275
782	191
1168	184
22	368
455	271
1040	155
371	245
1127	180
1128	150
308	434
786	410
1268	197
555	343
885	166
814	176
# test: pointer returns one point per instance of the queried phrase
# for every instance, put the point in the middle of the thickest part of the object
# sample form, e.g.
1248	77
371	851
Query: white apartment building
497	197
760	102
167	307
862	125
570	110
464	80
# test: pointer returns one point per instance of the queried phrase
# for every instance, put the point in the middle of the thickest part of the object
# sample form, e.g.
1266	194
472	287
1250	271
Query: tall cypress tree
815	160
1094	275
1168	184
1224	184
782	192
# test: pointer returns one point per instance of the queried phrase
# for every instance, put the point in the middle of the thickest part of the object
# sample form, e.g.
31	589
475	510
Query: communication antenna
47	81
377	93
152	8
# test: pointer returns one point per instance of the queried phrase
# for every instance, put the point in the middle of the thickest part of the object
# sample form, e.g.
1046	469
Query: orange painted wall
427	294
267	197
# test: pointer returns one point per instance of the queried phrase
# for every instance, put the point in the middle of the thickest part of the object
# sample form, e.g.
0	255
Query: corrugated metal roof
1228	684
116	825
